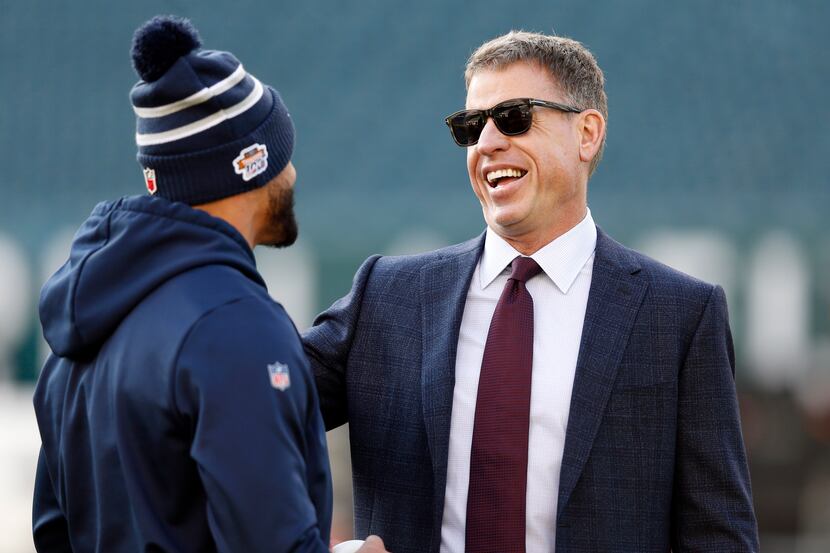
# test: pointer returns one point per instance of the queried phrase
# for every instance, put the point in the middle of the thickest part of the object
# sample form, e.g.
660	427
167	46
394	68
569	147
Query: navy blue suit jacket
654	458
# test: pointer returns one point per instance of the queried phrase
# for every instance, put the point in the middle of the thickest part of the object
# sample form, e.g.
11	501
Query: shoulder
229	350
193	303
670	295
407	265
661	278
243	327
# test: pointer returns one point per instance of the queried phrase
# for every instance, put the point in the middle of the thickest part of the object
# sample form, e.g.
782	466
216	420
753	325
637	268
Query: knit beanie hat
205	128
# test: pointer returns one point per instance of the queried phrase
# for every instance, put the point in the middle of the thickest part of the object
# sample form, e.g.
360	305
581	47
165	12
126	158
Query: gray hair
571	65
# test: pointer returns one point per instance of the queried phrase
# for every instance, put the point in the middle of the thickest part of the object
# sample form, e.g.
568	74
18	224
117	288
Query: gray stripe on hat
194	99
204	123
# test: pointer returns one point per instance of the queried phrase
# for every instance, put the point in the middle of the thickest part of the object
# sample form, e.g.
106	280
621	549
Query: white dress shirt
560	296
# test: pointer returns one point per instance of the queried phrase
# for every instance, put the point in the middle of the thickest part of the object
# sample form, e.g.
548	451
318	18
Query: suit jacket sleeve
328	344
712	506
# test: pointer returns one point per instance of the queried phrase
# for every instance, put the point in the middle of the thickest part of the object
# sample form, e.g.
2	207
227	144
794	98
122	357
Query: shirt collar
562	259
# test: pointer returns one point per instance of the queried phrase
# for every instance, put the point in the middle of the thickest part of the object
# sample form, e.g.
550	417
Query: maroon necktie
498	458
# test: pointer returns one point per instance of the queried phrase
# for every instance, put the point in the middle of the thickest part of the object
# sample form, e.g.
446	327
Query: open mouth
504	176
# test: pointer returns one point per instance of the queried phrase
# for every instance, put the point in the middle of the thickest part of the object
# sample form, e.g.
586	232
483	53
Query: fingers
373	545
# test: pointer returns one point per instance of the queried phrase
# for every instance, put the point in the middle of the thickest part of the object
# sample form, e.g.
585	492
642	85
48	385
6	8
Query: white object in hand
347	546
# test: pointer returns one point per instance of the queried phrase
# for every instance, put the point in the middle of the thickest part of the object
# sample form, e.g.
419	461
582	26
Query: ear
591	128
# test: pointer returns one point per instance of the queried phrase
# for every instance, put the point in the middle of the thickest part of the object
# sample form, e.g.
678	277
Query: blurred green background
716	163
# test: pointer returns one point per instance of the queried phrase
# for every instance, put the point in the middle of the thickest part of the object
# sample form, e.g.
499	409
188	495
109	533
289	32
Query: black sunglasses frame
498	108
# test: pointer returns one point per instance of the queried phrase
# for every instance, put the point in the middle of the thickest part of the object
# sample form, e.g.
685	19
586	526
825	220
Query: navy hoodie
177	411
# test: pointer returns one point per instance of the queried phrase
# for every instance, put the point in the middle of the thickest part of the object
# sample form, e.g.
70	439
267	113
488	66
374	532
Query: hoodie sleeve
49	528
257	435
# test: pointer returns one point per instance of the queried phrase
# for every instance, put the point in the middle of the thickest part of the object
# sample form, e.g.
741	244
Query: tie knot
524	268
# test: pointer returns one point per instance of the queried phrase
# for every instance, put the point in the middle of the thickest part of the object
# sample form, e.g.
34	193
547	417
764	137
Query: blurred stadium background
717	163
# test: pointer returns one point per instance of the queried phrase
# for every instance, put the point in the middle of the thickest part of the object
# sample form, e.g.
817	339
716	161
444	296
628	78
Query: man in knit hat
177	411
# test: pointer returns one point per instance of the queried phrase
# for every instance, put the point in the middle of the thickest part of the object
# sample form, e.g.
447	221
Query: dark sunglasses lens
513	119
466	127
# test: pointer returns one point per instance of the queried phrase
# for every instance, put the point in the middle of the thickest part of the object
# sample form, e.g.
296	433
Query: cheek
472	161
549	163
472	164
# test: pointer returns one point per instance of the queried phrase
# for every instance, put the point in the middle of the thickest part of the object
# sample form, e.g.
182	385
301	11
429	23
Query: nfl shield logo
280	379
150	180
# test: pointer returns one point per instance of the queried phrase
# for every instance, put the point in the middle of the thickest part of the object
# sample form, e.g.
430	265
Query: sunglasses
512	117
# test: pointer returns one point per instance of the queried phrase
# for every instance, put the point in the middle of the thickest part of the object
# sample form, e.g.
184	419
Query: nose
491	139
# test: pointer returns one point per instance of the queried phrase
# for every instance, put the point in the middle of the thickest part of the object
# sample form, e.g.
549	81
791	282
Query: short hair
570	63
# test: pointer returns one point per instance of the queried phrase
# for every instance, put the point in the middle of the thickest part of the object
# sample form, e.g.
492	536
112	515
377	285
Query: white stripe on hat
204	123
194	99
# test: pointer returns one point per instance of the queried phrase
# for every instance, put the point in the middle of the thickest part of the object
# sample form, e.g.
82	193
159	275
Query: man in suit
540	387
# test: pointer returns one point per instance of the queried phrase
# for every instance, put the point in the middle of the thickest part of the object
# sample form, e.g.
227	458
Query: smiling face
532	187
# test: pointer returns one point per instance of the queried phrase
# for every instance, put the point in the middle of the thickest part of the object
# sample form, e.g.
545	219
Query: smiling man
539	387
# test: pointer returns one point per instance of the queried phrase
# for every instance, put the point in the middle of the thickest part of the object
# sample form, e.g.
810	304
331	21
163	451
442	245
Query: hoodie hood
122	253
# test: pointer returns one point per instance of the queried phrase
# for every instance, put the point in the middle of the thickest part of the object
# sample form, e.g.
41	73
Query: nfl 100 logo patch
278	373
251	161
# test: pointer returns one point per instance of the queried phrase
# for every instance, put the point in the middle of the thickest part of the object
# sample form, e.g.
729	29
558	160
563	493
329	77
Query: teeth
493	176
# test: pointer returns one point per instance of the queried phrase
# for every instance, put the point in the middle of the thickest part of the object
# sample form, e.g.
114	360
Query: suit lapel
614	299
444	285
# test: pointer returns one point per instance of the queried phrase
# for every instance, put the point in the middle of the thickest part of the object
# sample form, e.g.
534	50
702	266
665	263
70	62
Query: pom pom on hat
159	43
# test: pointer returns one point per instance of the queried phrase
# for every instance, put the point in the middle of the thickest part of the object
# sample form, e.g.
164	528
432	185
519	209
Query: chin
282	224
503	220
282	240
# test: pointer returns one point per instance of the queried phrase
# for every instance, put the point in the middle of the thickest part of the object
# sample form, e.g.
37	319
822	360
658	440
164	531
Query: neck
242	212
531	242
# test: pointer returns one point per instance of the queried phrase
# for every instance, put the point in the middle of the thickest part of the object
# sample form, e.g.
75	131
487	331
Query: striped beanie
205	128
